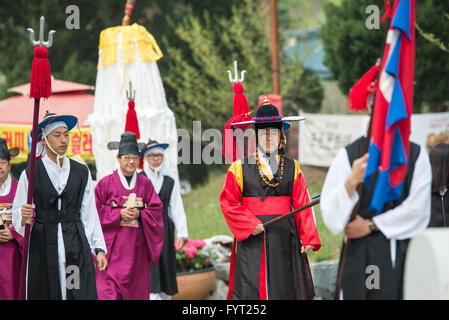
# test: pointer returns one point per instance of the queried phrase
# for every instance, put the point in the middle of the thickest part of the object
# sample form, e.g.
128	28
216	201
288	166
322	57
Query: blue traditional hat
50	118
152	144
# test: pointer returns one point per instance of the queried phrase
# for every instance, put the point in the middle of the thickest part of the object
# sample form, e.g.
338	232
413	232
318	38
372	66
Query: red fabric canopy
68	98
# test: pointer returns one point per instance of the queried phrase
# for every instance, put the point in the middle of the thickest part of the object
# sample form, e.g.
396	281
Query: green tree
351	49
74	53
196	79
301	90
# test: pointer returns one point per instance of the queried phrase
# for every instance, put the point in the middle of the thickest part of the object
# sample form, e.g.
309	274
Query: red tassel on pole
229	149
240	102
40	87
132	125
40	84
240	113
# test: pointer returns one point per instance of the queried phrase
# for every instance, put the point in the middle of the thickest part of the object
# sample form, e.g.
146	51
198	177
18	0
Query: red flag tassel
358	95
40	84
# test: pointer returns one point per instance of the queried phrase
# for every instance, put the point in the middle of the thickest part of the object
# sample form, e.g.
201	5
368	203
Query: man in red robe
269	263
130	213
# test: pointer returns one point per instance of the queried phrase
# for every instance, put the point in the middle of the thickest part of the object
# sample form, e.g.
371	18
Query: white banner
322	135
428	129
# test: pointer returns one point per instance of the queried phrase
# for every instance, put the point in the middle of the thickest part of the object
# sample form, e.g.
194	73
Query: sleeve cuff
98	250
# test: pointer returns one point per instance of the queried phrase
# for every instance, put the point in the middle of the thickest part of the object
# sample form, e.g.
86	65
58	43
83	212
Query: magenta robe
10	253
130	249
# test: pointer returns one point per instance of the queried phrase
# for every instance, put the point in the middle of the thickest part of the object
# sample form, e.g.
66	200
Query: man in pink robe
10	240
130	212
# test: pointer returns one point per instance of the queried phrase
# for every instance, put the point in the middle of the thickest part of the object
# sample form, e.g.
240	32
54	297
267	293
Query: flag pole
274	47
40	87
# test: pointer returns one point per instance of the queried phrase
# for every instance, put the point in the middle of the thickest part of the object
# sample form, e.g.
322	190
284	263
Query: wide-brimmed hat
268	114
127	145
152	144
5	152
49	118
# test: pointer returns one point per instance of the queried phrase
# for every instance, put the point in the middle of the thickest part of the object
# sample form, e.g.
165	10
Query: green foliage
203	212
431	63
301	90
196	79
74	53
197	76
300	14
351	49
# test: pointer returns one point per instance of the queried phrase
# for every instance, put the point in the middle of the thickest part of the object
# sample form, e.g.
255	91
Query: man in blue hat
163	275
66	230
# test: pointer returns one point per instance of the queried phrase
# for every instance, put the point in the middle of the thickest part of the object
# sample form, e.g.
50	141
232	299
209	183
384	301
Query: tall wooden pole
274	47
129	7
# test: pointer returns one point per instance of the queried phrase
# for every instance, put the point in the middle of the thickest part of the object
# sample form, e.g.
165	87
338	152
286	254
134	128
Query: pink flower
207	261
198	243
190	251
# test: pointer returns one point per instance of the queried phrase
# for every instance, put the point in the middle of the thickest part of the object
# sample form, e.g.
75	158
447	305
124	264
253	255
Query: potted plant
195	271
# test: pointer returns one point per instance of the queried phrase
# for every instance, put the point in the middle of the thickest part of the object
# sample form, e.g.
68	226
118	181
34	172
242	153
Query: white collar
161	171
6	186
53	165
125	182
264	157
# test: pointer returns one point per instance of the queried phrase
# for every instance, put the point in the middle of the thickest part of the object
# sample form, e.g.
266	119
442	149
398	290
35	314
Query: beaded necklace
281	166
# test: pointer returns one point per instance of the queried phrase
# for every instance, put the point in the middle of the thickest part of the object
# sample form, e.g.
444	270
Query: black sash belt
57	216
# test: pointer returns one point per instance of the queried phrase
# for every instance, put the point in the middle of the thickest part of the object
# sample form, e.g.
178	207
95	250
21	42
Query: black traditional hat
6	153
127	145
267	115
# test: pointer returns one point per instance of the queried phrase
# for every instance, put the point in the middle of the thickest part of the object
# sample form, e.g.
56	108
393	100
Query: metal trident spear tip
130	95
41	41
242	74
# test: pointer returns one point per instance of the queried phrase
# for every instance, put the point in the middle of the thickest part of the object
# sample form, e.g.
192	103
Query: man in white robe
63	254
378	242
163	276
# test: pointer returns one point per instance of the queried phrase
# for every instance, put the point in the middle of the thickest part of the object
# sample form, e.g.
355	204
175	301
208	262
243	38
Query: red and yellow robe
269	265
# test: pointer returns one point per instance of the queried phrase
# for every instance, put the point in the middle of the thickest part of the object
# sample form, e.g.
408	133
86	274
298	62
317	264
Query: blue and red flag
389	145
